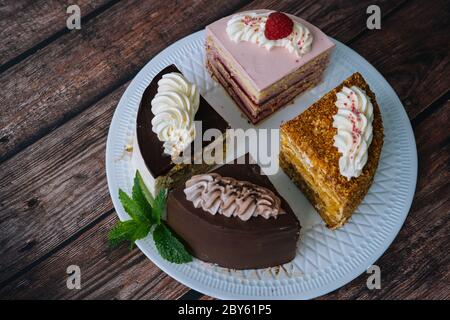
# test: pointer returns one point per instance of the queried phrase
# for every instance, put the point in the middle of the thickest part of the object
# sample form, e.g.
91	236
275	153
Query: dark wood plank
342	20
411	51
47	190
105	273
24	24
79	68
54	188
416	266
51	222
53	179
71	73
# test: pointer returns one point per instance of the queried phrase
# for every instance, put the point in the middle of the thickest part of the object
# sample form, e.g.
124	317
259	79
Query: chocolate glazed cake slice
235	218
159	137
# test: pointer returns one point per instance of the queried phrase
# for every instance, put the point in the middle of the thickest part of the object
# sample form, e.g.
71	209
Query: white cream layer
250	27
353	121
174	108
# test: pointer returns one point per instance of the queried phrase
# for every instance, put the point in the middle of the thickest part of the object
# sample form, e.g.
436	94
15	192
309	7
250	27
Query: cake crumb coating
311	134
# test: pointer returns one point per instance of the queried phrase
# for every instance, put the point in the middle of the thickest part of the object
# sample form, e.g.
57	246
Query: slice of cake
166	129
331	150
264	59
235	218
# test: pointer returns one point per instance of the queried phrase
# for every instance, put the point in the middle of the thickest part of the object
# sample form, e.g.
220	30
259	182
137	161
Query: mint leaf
139	197
169	247
159	205
147	194
141	231
145	211
129	230
132	208
123	231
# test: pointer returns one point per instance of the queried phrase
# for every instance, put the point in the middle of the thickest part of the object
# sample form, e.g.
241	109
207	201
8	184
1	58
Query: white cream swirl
250	27
353	121
174	108
231	197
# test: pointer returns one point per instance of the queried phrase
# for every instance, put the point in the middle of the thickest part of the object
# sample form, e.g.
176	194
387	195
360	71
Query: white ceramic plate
325	260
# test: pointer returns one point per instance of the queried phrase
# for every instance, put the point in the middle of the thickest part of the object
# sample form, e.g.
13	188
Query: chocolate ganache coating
152	149
231	242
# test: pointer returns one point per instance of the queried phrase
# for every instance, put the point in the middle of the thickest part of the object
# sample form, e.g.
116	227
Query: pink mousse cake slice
261	71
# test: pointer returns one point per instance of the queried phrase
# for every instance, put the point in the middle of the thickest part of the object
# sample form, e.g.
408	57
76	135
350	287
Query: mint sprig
134	210
146	212
170	247
140	199
159	205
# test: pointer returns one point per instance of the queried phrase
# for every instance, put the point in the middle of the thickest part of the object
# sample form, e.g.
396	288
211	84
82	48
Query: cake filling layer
214	52
262	68
312	182
256	112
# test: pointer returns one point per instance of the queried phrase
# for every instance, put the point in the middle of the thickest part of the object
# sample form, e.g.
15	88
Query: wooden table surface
59	89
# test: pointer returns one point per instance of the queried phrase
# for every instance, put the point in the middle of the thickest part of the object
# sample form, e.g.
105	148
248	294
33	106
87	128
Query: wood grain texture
24	24
58	173
45	204
342	20
49	215
54	188
71	73
81	67
411	51
105	273
416	265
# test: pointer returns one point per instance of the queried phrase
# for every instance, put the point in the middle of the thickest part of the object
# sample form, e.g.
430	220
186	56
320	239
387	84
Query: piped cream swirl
232	198
250	27
174	108
353	121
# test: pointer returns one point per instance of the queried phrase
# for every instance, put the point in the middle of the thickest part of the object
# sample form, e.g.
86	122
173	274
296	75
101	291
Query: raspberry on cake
165	129
264	59
278	26
331	150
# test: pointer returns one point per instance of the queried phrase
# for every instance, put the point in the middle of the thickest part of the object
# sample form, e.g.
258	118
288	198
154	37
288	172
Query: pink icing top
264	67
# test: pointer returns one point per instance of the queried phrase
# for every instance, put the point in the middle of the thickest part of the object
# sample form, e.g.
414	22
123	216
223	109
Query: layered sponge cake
331	150
264	59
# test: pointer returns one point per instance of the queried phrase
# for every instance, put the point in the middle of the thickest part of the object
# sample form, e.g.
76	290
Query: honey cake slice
335	167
